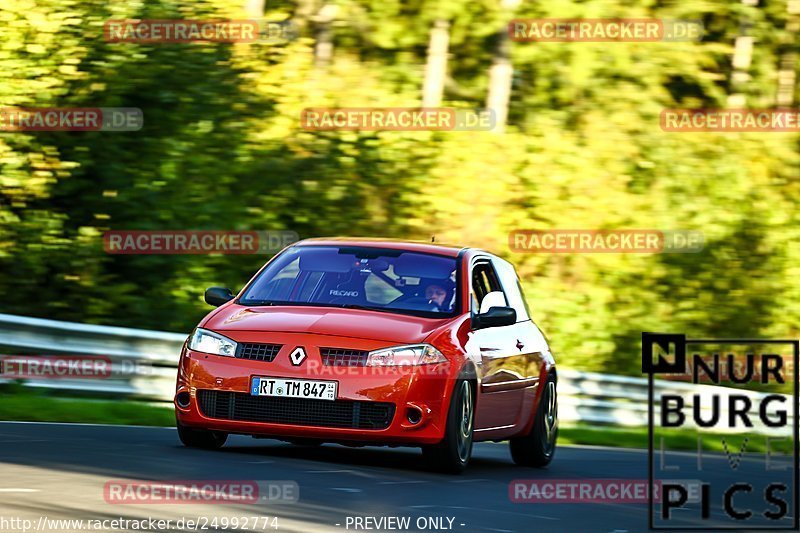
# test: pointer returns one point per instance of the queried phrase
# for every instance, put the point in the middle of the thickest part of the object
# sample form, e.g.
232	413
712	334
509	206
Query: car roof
394	244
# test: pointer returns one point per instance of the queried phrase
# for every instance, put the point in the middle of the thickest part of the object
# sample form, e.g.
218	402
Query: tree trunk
436	65
788	63
501	74
254	8
323	34
742	57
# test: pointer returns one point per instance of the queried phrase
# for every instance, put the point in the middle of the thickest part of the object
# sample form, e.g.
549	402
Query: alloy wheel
465	426
550	418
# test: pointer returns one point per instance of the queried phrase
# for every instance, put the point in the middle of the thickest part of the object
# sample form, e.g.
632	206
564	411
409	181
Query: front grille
343	357
296	411
258	352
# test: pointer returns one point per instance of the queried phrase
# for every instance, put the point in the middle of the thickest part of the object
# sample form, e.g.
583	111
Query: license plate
294	388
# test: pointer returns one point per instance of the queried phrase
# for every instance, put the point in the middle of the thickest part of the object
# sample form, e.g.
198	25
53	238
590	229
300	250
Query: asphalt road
59	471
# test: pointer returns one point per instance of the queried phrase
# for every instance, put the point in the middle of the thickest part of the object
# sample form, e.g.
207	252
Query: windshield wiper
401	311
390	310
357	306
257	303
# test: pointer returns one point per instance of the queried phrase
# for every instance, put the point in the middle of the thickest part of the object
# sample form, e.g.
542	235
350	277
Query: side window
524	300
512	288
484	281
479	287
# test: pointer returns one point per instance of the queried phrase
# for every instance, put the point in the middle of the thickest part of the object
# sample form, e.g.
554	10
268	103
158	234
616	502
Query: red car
360	342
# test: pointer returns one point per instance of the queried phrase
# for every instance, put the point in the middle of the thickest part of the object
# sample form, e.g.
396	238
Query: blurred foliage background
222	148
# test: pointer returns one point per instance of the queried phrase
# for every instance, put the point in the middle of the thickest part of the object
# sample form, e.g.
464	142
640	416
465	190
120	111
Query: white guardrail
143	366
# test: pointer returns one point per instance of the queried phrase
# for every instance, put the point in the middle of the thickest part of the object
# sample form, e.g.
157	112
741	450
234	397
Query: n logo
663	353
297	356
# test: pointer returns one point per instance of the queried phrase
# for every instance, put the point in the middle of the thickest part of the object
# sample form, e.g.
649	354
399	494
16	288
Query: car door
493	349
530	341
532	356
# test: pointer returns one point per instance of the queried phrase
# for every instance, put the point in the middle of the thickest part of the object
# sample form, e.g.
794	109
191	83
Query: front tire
452	454
201	438
537	448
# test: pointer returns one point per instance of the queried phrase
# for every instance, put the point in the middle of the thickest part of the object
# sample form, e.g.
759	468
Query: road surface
59	471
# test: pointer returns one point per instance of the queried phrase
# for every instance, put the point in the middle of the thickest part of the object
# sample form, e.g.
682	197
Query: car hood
362	324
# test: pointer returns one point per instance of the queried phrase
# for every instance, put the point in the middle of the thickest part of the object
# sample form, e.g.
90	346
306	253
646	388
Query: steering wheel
419	303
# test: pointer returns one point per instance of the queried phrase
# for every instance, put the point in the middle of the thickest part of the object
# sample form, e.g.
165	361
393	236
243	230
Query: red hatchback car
373	342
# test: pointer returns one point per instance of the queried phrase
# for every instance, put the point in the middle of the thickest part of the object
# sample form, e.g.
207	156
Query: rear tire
536	449
452	454
201	438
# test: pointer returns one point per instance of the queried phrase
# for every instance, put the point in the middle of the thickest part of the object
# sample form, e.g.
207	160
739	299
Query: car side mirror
495	317
217	296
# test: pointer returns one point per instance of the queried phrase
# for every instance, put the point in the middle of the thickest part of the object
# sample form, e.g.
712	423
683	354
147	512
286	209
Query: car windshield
358	277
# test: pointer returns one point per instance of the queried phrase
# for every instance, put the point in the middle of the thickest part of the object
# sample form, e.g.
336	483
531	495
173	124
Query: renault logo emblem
297	356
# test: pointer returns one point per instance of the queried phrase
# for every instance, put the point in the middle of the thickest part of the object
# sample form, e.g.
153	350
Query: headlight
209	342
413	354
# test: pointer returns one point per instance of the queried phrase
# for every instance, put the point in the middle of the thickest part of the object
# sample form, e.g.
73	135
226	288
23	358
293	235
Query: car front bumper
419	395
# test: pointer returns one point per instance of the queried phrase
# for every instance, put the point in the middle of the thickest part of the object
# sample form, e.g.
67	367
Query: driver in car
436	295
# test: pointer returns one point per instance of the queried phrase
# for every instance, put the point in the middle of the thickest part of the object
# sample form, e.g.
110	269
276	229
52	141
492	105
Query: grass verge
35	406
674	439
